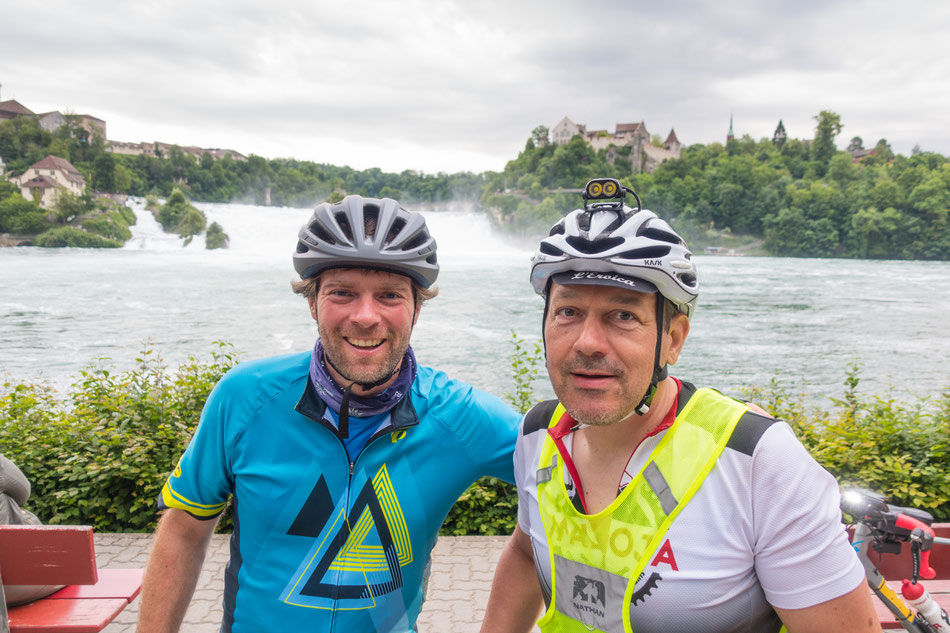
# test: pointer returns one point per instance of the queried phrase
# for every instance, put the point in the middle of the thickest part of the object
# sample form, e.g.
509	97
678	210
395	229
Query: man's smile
364	343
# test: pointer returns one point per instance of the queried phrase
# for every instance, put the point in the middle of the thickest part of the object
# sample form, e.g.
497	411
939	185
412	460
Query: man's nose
592	338
365	312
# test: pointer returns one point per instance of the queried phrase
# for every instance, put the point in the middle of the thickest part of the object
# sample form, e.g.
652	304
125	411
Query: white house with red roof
44	181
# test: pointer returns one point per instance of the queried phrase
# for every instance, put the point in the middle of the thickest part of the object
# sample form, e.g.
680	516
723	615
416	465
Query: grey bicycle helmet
367	232
613	238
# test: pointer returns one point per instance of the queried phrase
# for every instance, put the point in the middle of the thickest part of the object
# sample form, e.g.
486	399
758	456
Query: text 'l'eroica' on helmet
367	233
613	238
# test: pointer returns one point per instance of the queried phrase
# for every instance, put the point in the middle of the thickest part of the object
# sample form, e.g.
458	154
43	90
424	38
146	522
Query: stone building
643	155
44	181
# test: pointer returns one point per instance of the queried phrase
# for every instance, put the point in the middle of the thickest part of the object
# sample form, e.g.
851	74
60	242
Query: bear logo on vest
589	594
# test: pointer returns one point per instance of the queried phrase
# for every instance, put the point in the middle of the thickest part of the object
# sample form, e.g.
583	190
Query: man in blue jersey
341	463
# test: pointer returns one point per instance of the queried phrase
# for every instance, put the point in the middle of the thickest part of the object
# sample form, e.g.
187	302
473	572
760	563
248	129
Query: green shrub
69	236
19	215
101	457
216	237
875	442
110	224
192	223
490	506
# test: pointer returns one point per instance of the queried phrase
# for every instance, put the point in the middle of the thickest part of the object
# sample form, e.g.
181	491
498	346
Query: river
801	321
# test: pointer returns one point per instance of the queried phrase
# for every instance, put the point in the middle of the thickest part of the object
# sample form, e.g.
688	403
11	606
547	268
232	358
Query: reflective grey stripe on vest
660	488
591	596
544	474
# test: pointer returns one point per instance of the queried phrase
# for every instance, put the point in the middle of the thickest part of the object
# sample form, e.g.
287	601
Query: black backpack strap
539	417
749	430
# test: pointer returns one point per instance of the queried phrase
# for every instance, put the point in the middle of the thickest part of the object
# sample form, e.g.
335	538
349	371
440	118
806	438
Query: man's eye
625	316
566	312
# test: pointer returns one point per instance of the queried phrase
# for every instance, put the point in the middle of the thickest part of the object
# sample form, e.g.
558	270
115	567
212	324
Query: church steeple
730	135
778	138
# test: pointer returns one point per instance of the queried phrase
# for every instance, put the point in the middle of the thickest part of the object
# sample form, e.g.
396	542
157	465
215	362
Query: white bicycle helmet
608	243
367	232
613	238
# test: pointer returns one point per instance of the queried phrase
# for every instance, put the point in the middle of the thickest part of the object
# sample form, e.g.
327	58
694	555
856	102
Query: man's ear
679	330
313	307
415	317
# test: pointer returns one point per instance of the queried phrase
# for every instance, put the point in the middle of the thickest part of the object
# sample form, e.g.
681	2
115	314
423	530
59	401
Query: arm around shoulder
175	561
515	602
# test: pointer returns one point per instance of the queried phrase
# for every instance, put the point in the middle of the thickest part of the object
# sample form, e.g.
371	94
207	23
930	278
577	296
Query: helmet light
607	193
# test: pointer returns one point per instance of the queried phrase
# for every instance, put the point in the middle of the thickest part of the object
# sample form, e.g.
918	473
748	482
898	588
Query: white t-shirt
764	529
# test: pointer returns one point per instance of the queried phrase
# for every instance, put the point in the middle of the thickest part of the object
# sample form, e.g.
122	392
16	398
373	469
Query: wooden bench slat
113	583
47	555
65	616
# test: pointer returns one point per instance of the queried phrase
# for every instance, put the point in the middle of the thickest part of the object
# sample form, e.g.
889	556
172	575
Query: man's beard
625	404
334	347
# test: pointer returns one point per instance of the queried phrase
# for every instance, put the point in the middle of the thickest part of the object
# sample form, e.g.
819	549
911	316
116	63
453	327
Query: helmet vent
648	252
321	233
660	235
418	240
688	279
432	259
557	229
397	226
370	219
302	248
344	223
594	247
550	249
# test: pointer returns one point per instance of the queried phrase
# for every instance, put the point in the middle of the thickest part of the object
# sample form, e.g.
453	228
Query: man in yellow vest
647	505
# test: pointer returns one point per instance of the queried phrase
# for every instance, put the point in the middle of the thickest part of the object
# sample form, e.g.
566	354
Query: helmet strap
659	373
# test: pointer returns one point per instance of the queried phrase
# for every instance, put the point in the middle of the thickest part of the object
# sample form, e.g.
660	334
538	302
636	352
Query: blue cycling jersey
320	543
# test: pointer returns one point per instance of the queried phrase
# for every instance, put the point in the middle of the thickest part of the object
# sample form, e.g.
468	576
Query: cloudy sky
441	85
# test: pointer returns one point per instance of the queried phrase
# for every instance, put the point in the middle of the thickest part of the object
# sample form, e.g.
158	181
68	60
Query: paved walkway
462	569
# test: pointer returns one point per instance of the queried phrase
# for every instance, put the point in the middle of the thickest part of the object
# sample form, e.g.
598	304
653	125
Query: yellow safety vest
596	559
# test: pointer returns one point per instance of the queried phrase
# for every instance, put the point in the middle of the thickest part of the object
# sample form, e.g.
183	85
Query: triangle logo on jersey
355	558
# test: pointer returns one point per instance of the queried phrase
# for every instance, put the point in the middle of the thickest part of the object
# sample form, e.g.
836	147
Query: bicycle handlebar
921	535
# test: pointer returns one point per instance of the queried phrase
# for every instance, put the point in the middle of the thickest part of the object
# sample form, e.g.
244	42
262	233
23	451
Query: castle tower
730	136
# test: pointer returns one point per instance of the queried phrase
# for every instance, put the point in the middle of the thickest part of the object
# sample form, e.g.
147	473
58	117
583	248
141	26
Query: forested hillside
802	198
790	197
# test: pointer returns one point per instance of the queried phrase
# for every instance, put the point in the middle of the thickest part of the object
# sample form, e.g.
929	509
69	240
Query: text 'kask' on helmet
606	236
367	233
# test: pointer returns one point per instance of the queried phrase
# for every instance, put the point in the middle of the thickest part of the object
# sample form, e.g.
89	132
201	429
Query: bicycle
884	528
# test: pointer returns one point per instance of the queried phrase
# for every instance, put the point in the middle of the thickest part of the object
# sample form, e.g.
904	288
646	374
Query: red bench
61	555
896	567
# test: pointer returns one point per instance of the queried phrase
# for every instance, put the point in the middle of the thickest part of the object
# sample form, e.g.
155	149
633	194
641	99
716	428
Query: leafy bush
19	215
113	224
69	236
216	237
875	442
192	223
490	506
101	457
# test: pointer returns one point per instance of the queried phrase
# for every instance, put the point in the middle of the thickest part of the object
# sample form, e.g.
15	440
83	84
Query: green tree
874	230
829	126
103	173
540	135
